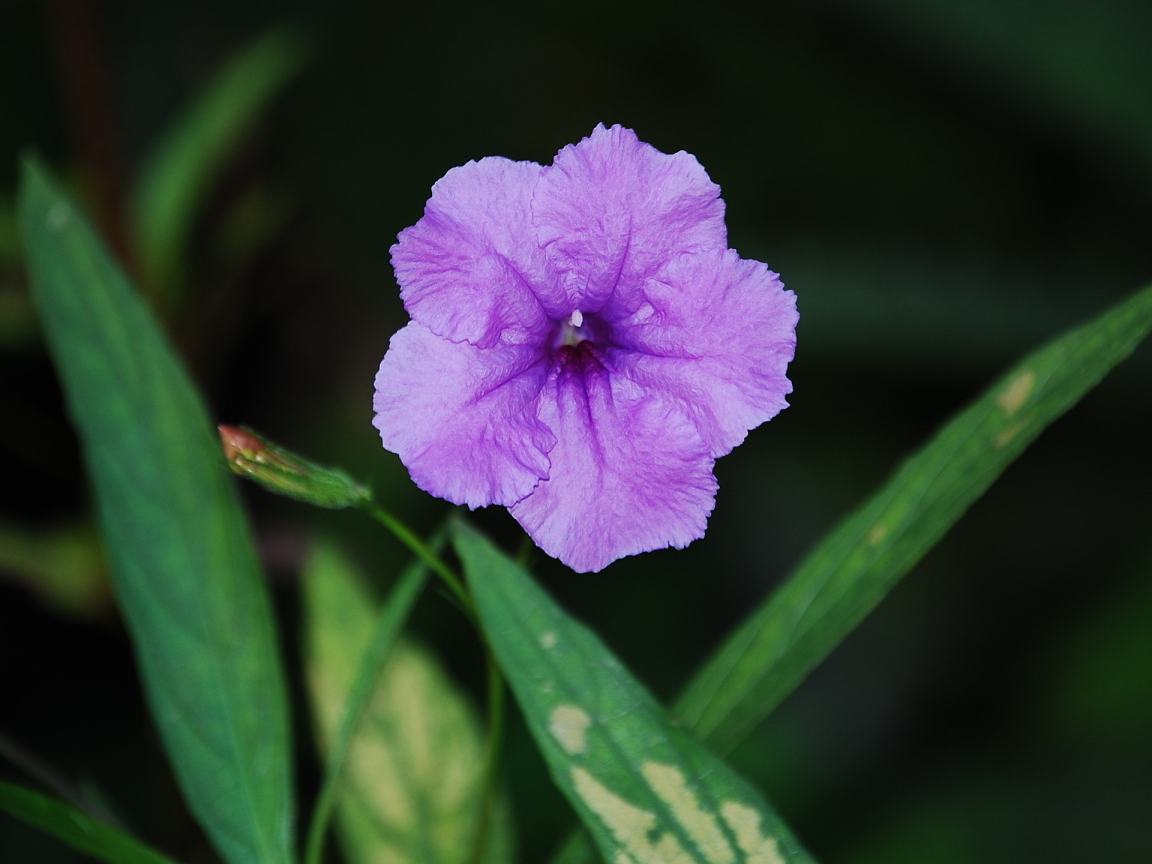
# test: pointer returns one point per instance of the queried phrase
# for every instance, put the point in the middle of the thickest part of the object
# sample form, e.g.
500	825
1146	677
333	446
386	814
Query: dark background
944	184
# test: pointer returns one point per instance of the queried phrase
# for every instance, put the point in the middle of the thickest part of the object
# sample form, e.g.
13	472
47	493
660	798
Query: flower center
573	332
577	341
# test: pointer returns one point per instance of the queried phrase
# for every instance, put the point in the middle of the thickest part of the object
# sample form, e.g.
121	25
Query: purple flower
583	346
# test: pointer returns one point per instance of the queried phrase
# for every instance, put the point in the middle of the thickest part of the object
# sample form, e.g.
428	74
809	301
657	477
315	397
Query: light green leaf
852	569
177	175
413	776
75	828
179	549
647	790
322	582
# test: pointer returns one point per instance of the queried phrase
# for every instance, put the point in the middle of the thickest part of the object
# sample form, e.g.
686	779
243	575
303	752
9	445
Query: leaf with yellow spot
852	569
647	791
412	781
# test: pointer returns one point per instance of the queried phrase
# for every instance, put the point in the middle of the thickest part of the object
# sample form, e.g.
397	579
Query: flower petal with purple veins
470	269
718	333
583	346
629	472
612	210
463	419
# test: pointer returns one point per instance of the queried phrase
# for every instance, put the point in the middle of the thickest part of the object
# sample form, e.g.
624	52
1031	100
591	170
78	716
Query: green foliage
645	789
326	574
9	233
75	828
412	785
249	224
852	569
1099	678
64	566
178	173
179	549
1087	64
576	849
17	318
18	326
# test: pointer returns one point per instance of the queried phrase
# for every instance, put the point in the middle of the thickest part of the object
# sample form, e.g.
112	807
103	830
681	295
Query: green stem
54	780
493	747
409	539
388	626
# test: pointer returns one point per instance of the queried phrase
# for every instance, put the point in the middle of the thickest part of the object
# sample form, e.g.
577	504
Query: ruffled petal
469	269
463	419
611	211
717	333
629	472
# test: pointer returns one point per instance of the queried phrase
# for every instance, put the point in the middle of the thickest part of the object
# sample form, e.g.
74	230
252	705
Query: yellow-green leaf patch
648	792
414	774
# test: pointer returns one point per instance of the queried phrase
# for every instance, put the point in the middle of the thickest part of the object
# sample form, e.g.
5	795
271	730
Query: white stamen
577	319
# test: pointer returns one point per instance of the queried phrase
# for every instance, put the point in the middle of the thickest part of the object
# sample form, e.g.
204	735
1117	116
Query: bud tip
238	443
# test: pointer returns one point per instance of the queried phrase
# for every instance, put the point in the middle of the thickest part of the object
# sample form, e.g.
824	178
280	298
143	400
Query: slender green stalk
409	539
52	779
388	627
493	747
69	825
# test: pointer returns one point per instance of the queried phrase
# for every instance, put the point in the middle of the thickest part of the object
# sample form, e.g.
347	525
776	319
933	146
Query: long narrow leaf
412	783
75	828
844	578
330	591
179	549
645	789
177	175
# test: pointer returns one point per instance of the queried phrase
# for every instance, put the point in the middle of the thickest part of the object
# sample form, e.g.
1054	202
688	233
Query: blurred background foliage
944	184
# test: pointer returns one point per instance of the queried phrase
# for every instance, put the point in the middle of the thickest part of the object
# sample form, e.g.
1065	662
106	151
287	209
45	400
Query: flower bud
285	473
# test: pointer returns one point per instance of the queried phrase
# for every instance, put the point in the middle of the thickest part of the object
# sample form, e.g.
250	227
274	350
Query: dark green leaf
576	848
17	317
844	578
179	549
77	829
64	565
647	791
413	777
1084	65
9	233
177	175
18	325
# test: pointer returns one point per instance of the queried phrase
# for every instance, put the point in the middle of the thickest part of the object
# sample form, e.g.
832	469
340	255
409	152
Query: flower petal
611	210
629	472
469	268
716	332
463	419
